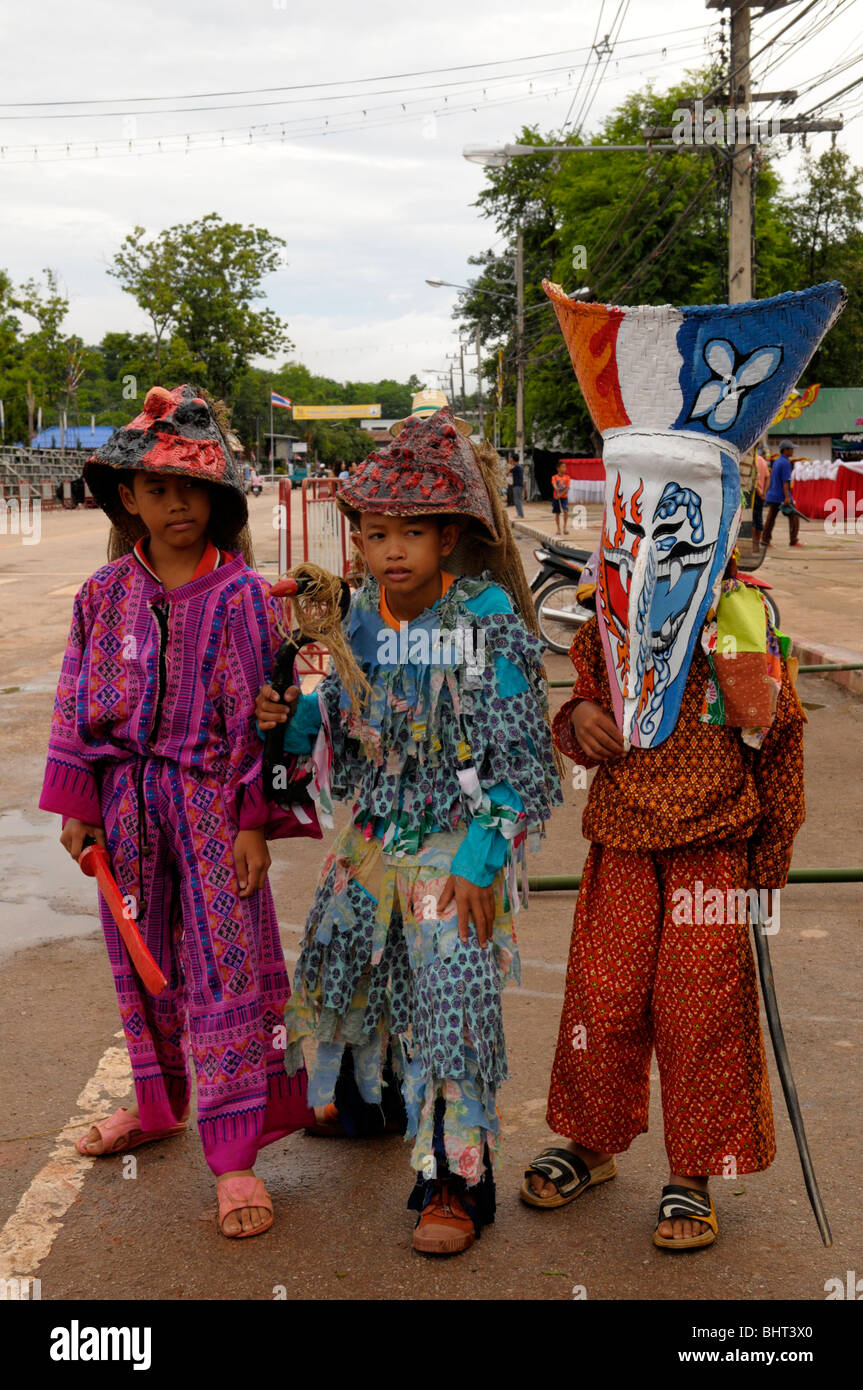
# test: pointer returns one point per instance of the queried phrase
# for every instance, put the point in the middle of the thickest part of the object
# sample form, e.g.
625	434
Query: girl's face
404	553
175	510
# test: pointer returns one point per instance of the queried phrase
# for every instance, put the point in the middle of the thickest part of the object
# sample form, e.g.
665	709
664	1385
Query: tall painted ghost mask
678	395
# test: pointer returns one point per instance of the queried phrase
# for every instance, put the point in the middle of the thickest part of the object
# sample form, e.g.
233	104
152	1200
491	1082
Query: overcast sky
372	207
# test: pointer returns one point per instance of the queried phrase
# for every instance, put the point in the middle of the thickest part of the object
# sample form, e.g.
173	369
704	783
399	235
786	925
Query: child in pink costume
154	752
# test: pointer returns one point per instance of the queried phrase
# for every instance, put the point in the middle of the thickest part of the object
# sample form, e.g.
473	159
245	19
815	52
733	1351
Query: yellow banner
794	406
337	412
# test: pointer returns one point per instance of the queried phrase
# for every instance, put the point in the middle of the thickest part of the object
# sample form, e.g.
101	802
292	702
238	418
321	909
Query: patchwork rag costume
449	769
153	737
708	797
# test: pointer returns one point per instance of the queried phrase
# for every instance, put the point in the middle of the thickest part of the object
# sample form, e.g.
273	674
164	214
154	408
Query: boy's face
404	553
175	510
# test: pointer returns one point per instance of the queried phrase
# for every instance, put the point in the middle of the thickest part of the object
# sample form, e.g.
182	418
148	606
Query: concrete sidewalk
818	587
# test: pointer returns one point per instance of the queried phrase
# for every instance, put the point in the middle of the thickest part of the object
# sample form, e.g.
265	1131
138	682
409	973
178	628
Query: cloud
367	214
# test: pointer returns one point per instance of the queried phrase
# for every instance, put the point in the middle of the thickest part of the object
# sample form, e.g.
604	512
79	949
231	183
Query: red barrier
325	542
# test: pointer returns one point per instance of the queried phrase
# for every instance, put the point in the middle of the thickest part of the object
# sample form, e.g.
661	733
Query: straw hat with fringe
431	469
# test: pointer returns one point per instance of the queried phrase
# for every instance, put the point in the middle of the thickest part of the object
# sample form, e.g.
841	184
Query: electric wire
340	82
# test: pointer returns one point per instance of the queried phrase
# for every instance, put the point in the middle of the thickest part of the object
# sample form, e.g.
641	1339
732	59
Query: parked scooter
558	611
555	584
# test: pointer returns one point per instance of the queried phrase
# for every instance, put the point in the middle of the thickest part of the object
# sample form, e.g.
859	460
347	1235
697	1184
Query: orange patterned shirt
700	786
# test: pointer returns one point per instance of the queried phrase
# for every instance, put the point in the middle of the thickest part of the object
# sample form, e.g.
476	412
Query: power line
339	82
593	87
834	96
583	71
290	122
302	101
613	228
685	176
289	101
651	259
717	91
822	23
203	140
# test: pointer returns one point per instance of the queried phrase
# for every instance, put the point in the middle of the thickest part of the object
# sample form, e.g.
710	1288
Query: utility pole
741	231
479	383
740	211
519	346
463	392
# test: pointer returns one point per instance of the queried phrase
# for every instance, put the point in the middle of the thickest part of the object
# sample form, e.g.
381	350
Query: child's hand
270	710
471	902
251	861
596	731
74	834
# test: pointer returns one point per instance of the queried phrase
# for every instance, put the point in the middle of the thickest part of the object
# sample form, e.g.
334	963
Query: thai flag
282	401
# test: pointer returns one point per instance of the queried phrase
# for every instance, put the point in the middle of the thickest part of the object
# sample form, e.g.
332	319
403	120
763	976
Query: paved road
90	1230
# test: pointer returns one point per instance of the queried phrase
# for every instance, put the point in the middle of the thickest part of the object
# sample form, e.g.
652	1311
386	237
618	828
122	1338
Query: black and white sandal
567	1173
693	1205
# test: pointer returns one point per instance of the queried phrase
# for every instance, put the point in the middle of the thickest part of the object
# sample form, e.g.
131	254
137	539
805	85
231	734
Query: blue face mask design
679	395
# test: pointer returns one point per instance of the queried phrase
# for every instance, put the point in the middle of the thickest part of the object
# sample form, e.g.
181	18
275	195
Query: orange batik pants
641	977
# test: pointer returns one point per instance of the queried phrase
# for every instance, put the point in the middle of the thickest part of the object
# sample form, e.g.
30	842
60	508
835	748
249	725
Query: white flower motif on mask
720	399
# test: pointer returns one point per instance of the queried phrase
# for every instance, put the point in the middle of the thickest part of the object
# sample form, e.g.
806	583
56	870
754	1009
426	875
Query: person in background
344	474
779	494
516	472
762	478
560	497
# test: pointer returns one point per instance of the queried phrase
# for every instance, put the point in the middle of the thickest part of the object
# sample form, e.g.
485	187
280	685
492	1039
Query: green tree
825	219
626	227
199	280
44	361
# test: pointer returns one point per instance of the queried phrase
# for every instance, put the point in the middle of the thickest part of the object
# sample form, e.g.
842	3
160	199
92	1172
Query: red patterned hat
430	468
177	432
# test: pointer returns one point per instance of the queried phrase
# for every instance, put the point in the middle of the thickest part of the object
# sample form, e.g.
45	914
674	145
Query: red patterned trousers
640	976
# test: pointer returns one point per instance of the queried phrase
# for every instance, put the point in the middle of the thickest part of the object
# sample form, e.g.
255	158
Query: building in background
829	429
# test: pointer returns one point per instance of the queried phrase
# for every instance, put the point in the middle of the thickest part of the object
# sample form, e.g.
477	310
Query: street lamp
519	382
472	289
499	155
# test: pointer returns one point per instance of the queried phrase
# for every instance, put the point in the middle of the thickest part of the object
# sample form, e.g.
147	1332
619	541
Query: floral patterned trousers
377	961
651	968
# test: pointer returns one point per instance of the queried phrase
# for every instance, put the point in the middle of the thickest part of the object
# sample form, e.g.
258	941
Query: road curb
521	528
812	654
808	653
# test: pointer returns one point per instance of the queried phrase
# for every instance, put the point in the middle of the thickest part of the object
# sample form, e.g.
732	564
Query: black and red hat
178	432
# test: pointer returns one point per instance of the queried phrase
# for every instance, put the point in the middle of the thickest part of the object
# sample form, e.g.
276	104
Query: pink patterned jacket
173	674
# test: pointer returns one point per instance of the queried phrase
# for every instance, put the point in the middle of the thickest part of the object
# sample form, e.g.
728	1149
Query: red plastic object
95	863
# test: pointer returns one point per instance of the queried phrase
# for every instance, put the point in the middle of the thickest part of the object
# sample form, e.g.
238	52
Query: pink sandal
236	1193
123	1132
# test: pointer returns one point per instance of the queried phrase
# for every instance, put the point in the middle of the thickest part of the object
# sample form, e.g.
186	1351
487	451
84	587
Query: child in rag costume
448	764
154	752
683	703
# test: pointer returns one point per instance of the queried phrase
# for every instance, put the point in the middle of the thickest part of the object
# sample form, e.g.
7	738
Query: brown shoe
444	1228
329	1126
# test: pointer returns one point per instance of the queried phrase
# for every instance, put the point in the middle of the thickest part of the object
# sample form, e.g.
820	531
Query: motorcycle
558	611
555	584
